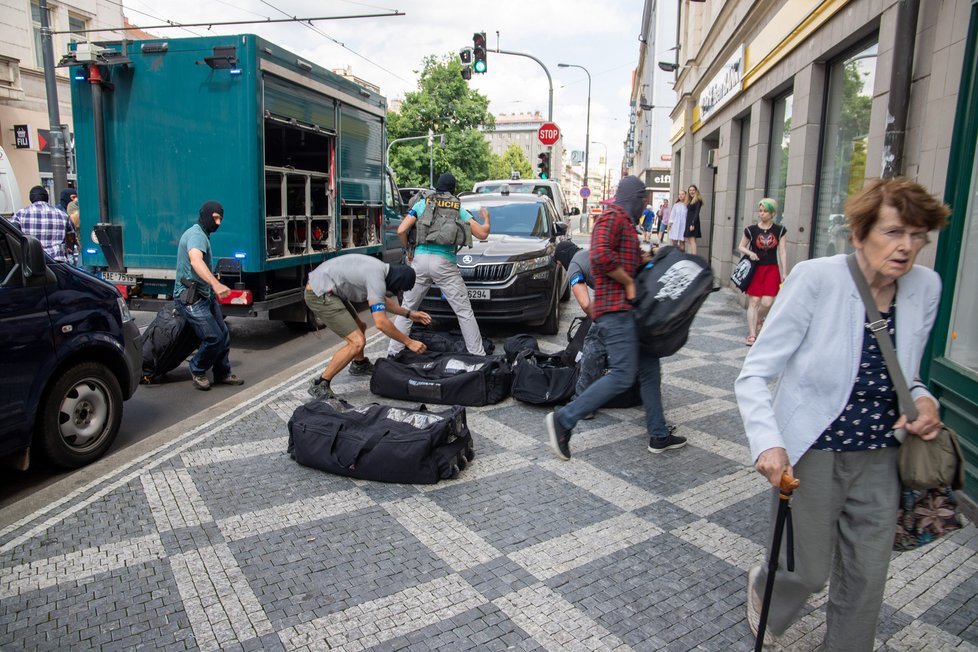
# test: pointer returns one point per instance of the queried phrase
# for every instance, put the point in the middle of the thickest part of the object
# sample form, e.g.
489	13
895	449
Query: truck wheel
80	415
551	326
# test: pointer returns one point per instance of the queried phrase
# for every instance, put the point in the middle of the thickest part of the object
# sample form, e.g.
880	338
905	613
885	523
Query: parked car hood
503	246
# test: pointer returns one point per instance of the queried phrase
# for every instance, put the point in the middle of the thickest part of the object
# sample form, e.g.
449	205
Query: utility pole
550	82
59	168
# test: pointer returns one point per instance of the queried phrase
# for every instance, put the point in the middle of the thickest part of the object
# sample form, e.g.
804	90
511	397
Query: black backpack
670	290
446	378
379	442
543	378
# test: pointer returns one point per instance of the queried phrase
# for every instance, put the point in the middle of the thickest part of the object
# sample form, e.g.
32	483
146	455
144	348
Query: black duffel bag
446	378
446	341
515	344
543	378
379	442
167	342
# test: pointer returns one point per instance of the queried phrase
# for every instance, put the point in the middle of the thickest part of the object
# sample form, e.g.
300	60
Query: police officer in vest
442	227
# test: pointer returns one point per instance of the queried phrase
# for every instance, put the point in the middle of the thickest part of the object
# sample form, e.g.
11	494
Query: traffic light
479	52
544	165
465	55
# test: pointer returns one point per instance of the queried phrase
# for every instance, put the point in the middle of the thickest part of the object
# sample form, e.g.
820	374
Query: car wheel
566	294
552	324
80	415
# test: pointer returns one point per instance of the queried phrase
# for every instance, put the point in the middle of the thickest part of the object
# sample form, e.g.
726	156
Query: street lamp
587	135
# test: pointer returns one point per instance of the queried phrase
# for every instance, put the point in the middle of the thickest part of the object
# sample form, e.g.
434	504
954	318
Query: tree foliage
445	104
513	160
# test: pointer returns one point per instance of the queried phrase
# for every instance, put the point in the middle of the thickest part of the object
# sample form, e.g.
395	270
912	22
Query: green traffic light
479	66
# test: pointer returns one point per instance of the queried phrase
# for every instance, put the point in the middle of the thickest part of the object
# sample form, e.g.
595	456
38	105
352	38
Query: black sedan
511	276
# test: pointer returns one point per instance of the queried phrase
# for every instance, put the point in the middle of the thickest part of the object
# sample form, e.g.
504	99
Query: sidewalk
217	540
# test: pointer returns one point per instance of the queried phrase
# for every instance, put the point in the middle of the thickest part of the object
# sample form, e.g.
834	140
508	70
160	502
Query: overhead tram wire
143	13
342	45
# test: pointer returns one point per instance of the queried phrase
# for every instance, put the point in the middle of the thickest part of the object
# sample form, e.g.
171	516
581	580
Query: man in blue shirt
436	264
198	303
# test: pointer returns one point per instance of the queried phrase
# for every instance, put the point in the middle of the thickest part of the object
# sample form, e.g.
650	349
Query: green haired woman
764	243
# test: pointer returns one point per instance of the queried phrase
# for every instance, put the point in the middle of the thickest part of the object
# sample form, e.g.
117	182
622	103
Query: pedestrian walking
663	221
332	289
818	346
648	219
764	243
615	256
694	207
677	222
49	224
434	260
195	295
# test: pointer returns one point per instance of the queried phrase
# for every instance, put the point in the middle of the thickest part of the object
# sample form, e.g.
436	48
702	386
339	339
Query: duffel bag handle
365	447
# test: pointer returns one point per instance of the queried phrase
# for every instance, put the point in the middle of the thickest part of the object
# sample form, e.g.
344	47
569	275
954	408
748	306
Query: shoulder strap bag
923	464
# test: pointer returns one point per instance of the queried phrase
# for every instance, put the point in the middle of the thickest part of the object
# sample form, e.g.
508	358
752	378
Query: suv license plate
122	279
481	295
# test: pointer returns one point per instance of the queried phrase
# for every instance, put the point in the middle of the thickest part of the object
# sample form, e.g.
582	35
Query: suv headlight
123	310
531	264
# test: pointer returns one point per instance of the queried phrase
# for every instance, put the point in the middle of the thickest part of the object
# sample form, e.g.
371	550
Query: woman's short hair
768	204
916	206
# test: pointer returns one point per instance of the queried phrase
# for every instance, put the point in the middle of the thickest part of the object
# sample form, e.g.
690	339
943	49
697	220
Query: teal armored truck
294	152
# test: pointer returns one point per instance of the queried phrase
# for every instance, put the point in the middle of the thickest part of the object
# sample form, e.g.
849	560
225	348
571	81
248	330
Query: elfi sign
548	133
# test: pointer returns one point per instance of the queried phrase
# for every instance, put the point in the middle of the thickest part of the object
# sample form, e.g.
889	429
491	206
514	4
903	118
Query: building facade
24	122
521	129
648	150
801	100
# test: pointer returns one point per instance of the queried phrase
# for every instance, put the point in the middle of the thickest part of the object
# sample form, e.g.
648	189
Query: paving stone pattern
218	540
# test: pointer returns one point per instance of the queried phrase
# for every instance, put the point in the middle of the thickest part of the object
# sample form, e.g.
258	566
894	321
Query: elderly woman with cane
830	423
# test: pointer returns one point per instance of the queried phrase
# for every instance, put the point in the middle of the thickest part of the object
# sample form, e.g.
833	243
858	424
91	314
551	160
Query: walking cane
786	488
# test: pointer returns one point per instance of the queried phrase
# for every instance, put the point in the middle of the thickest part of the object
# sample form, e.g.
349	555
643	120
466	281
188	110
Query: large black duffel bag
446	341
446	378
167	342
379	442
543	378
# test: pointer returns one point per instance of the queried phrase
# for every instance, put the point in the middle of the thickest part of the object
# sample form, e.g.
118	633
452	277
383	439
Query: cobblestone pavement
218	540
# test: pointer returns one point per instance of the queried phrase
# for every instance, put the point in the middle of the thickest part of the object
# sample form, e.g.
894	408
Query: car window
7	262
528	220
517	189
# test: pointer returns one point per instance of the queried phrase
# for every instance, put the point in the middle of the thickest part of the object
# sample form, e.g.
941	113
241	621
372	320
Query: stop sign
548	133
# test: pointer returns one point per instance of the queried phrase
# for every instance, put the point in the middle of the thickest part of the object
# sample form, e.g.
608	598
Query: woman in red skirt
764	243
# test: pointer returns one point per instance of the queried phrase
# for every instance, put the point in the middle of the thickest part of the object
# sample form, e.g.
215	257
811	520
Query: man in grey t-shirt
330	292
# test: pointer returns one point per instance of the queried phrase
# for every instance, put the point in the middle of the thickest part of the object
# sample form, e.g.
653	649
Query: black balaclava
66	198
38	193
446	183
400	278
206	219
630	196
564	252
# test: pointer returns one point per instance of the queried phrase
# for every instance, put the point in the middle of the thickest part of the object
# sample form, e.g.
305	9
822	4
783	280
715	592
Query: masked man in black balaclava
615	257
332	290
434	257
195	295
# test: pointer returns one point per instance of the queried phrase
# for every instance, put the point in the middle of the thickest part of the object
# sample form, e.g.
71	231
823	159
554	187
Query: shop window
743	212
843	156
962	342
777	160
77	26
36	29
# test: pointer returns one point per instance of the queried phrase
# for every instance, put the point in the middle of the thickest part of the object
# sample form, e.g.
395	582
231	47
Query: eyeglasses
897	234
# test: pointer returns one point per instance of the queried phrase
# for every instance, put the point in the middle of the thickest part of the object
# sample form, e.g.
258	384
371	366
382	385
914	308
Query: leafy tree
513	159
445	104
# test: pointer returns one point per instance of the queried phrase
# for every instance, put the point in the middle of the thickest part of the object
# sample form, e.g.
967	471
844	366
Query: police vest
441	222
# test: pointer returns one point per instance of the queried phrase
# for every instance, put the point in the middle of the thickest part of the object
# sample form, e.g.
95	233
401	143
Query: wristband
408	314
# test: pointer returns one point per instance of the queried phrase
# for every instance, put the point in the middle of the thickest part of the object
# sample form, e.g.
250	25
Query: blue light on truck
91	251
234	71
240	255
80	76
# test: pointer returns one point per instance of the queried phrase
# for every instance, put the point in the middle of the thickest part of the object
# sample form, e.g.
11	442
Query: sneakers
361	368
229	380
559	437
201	382
755	601
666	443
319	388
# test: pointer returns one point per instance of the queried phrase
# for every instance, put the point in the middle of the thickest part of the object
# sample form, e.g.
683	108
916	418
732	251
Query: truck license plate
122	279
481	295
